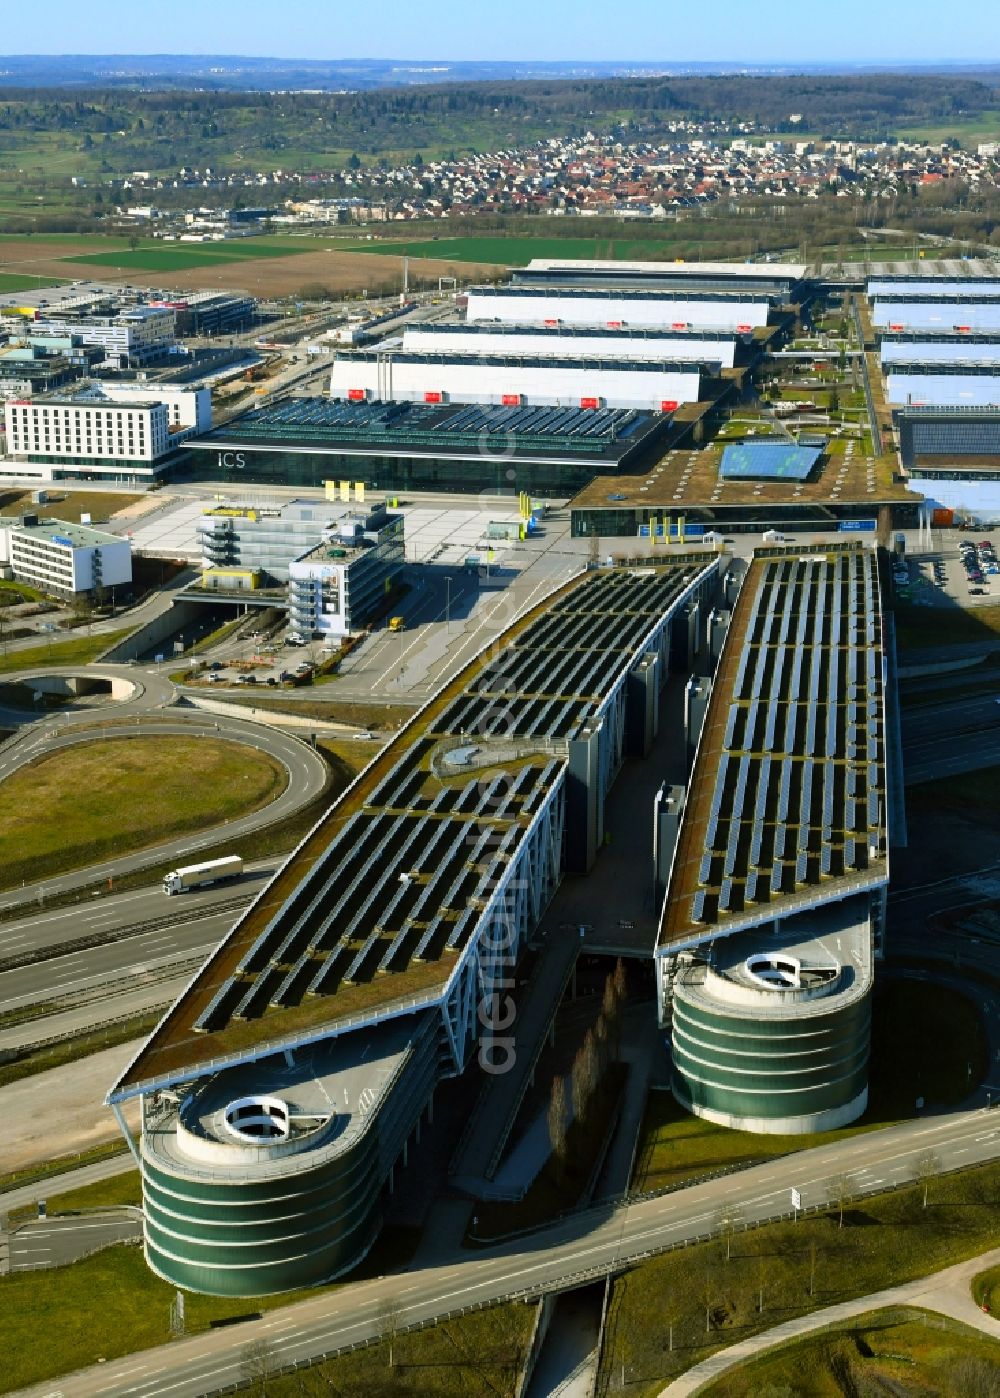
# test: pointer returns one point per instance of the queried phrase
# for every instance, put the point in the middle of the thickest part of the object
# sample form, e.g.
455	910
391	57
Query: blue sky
754	31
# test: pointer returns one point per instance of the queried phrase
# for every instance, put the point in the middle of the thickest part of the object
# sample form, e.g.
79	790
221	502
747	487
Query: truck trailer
201	875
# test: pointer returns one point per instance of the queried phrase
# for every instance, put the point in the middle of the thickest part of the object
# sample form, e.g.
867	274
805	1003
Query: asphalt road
947	739
594	1242
113	915
26	1194
101	970
306	770
53	1242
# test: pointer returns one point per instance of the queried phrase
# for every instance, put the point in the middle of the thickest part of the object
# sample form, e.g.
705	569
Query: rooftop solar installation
786	803
392	425
376	905
769	460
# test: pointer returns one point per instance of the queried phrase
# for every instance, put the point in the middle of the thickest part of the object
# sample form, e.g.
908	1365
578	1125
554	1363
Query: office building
66	560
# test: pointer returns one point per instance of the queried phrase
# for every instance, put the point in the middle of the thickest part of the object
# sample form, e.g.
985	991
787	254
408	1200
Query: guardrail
120	934
622	1261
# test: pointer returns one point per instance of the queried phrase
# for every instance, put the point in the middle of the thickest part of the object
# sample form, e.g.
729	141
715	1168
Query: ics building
432	446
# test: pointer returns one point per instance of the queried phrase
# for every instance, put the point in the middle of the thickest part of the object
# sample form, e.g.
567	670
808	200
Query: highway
39	934
590	1243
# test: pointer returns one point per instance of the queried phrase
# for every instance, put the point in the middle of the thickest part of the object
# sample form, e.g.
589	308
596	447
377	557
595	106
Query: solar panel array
944	389
405	880
556	673
402	884
322	420
768	460
797	781
943	437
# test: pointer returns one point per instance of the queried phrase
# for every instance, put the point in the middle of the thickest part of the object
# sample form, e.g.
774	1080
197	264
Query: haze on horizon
561	31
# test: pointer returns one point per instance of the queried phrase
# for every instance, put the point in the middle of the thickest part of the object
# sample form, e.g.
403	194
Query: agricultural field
516	252
266	266
22	281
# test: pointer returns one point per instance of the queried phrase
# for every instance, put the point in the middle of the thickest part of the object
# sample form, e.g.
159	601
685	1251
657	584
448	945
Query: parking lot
964	571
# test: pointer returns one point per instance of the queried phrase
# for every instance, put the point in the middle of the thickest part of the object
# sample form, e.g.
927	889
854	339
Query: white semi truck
200	875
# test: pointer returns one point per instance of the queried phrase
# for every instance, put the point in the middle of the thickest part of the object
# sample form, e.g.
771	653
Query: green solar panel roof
773	460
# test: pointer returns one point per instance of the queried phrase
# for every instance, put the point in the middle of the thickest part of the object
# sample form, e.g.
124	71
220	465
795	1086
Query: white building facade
616	311
524	382
65	559
129	340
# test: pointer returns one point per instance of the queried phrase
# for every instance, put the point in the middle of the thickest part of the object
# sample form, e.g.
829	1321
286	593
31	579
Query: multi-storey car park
776	891
282	1087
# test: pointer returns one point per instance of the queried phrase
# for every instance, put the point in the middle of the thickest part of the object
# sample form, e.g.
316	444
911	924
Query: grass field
917	627
514	251
266	843
887	1239
81	650
892	1351
91	801
125	1188
111	1304
21	281
160	257
68	504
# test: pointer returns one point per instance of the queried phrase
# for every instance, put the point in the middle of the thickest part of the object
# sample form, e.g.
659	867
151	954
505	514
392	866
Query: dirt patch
63	1111
263	277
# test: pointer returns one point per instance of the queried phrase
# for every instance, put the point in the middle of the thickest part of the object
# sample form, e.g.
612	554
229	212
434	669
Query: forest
165	130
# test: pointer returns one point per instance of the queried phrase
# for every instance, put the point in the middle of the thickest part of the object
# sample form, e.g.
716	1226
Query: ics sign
679	325
357	395
615	324
590	402
550	323
963	329
434	395
668	405
895	327
510	400
744	329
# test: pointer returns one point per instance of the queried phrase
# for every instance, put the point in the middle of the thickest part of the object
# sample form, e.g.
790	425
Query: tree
727	1220
258	1364
842	1191
926	1166
558	1118
390	1315
579	1086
